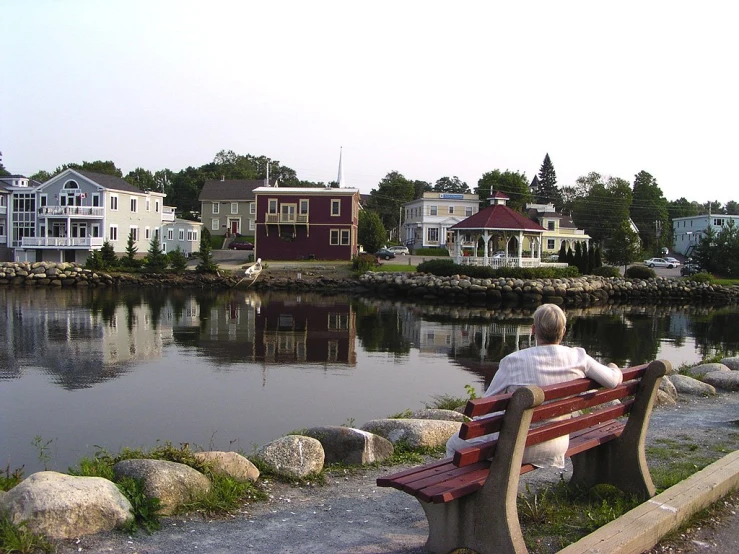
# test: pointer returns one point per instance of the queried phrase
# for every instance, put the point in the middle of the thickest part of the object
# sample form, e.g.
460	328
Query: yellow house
558	228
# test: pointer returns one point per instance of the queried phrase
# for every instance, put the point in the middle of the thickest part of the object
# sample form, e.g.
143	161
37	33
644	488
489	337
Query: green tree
732	208
142	179
129	260
177	260
562	257
41	176
623	246
512	183
156	259
206	263
3	171
719	252
371	233
548	190
420	187
681	208
603	207
108	255
452	185
94	260
391	193
649	212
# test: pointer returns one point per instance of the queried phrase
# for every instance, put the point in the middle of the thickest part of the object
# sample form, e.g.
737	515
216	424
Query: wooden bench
470	499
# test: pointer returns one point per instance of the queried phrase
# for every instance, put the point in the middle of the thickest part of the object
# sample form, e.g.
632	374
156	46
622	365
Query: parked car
385	254
690	268
673	261
399	250
241	245
498	256
658	262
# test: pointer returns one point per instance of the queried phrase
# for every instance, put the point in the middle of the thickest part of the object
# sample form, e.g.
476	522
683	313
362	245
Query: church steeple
340	178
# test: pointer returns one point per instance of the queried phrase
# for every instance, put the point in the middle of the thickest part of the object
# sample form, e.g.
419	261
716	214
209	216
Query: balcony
71	211
167	214
62	242
293	219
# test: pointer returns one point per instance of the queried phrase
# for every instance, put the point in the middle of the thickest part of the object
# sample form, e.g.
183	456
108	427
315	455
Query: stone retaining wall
583	290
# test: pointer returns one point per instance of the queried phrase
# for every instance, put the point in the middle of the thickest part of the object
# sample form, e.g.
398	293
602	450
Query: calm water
86	369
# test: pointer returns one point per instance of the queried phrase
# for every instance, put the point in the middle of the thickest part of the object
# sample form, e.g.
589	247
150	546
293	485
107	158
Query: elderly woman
547	363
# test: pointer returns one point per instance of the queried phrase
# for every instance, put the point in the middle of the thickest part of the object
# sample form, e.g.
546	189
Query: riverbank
350	514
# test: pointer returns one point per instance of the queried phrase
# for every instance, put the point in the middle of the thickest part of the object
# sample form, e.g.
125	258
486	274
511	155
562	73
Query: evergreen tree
156	259
592	264
95	260
623	246
598	260
570	257
206	264
130	258
108	255
548	190
649	211
177	260
562	253
578	256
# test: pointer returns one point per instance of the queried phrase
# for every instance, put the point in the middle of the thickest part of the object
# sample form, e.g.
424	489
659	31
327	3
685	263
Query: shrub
639	272
443	268
537	272
95	260
364	263
701	277
447	268
606	271
431	252
177	260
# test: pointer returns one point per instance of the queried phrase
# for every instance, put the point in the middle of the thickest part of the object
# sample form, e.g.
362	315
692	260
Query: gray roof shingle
233	189
109	181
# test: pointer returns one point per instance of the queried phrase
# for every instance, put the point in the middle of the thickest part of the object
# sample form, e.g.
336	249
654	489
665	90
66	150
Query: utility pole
400	221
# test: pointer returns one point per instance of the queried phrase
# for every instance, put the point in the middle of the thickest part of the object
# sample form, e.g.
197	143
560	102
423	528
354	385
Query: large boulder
172	483
295	456
417	433
350	446
703	369
664	399
731	363
231	464
688	385
62	506
435	413
726	380
668	388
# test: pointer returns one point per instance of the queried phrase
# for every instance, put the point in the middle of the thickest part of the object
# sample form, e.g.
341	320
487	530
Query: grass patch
9	479
445	402
17	538
726	282
395	268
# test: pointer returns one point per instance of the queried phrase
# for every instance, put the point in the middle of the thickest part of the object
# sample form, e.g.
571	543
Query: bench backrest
560	399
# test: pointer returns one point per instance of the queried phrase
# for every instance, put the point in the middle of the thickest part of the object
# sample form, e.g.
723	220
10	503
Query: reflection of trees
716	332
380	328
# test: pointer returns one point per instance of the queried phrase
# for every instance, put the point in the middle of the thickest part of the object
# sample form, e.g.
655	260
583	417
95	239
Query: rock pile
585	290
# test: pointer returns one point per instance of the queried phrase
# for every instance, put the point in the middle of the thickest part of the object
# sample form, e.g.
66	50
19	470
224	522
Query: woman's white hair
550	323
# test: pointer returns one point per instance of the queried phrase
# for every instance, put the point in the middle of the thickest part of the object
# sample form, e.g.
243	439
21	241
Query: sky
429	89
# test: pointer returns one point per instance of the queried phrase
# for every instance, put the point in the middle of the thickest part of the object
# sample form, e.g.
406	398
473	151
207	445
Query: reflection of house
558	228
687	231
297	223
318	331
428	219
72	213
229	205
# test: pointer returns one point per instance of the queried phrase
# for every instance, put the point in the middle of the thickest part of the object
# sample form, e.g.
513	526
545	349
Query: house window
433	234
96	200
718	222
334	237
252	225
550	225
468	211
215	224
95	230
148	205
42	200
71	185
345	237
113	234
272	206
170	234
134	232
338	321
234	207
134	205
252	208
114	202
216	208
550	244
287	212
303	207
192	236
335	207
164	247
451	209
156	205
433	210
2	229
147	233
181	235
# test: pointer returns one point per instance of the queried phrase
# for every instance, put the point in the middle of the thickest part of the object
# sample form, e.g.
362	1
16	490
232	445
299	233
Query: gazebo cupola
498	198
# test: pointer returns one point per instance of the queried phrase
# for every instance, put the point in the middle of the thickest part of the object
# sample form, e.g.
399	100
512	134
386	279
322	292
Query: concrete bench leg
487	520
622	462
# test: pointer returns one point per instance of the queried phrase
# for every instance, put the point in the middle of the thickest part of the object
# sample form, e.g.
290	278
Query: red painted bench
470	499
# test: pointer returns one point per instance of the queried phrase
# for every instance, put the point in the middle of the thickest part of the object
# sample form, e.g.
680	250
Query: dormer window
550	225
71	185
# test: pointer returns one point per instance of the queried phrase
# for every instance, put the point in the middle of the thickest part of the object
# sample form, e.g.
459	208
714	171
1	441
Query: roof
307	191
109	181
232	189
499	217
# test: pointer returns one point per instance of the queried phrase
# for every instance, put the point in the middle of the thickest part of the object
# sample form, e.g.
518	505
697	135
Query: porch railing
80	211
61	242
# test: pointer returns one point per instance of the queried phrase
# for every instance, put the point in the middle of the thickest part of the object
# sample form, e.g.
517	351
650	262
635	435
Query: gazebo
500	228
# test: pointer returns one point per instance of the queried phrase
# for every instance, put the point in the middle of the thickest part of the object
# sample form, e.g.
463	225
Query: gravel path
351	514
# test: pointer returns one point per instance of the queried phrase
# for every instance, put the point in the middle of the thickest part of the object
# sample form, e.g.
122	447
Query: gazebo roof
499	218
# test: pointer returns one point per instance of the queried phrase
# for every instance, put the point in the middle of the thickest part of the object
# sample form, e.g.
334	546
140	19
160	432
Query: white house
686	231
428	219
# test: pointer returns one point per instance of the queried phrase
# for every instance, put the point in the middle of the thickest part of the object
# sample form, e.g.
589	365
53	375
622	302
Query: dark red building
306	223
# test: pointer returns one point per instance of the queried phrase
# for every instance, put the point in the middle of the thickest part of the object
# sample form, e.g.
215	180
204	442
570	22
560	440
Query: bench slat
389	480
556	408
499	402
474	454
